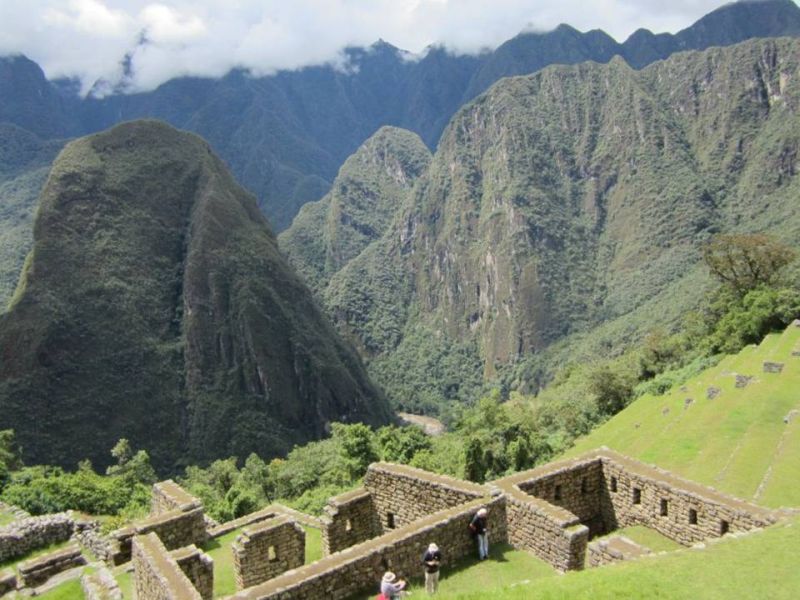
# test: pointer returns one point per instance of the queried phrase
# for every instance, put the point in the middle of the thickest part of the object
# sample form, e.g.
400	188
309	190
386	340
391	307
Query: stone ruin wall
100	585
198	568
168	496
358	569
8	581
267	549
606	491
403	494
548	511
577	486
614	549
157	575
552	533
36	571
349	519
24	535
176	517
175	530
693	512
268	512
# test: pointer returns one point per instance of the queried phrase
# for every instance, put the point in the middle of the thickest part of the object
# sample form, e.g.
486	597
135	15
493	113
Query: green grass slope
738	441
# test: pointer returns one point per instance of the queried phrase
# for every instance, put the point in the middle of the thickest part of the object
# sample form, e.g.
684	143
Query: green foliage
46	489
355	448
401	444
744	262
737	321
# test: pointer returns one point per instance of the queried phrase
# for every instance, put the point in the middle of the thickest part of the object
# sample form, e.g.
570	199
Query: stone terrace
551	511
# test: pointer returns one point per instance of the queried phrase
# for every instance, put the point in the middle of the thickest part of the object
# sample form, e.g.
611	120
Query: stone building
551	511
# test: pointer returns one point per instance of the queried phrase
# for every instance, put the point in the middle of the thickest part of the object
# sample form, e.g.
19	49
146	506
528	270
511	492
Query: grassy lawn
313	544
219	550
649	538
6	518
69	590
125	581
505	568
737	442
760	565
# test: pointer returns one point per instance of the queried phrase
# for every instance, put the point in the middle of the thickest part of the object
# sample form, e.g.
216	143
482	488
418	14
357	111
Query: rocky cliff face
571	205
285	136
156	306
369	190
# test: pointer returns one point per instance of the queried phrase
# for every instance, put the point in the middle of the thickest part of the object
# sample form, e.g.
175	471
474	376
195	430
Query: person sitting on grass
391	587
479	529
432	559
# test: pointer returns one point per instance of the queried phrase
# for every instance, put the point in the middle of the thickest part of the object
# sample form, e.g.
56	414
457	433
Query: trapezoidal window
557	493
637	496
348	525
724	527
584	486
664	507
390	520
272	554
692	516
614	484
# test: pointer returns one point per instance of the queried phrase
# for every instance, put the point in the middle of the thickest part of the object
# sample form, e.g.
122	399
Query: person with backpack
432	559
479	529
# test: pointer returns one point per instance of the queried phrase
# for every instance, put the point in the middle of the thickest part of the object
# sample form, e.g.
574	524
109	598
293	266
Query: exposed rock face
370	189
576	199
156	307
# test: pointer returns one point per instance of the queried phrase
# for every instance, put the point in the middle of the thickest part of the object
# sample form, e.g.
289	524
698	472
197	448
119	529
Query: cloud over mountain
150	42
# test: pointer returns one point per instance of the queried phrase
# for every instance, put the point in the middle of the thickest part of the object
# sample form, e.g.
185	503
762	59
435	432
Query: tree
611	389
744	262
400	444
475	461
355	444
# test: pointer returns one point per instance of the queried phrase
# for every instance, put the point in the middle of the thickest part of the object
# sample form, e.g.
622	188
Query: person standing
479	529
432	559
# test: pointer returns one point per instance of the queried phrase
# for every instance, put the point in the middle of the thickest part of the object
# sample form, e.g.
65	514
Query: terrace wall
358	569
24	535
402	494
267	549
693	512
349	519
157	575
198	568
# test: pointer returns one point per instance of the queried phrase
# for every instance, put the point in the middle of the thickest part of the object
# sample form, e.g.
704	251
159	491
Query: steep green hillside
741	440
369	190
24	164
564	212
156	306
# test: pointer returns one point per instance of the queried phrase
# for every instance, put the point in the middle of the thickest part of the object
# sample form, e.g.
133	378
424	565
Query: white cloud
89	38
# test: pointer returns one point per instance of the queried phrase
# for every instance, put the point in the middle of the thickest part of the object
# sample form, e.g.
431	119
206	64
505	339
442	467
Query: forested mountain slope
567	210
156	306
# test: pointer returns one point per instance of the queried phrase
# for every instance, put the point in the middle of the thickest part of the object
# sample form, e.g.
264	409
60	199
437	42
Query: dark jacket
478	525
435	557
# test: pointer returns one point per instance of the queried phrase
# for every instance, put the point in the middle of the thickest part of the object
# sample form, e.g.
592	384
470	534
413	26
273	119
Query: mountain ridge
155	300
299	127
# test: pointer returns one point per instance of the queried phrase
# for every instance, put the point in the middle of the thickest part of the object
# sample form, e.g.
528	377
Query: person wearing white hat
432	559
391	587
479	529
